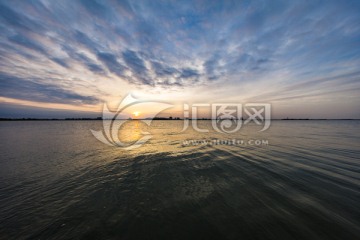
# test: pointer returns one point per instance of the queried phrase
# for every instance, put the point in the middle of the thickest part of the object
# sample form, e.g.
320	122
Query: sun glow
136	114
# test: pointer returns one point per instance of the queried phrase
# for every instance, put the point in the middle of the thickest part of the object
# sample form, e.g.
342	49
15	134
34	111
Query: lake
297	180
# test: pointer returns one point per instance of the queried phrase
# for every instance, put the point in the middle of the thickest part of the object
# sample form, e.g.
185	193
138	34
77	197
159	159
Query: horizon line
161	118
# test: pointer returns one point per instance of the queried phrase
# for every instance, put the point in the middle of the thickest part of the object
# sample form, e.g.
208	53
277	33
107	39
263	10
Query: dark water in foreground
58	182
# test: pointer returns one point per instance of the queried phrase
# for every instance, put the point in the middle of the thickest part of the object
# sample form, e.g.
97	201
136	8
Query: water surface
58	182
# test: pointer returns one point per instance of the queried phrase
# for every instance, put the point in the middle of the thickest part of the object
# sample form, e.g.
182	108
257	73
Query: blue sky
69	57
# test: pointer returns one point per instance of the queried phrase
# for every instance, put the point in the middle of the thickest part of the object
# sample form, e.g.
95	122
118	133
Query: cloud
111	62
162	70
60	61
95	8
189	73
172	76
178	45
90	64
17	19
137	66
84	40
211	66
27	42
29	89
134	62
83	59
95	68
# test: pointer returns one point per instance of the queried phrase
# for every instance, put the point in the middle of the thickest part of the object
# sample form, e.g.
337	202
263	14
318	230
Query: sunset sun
136	114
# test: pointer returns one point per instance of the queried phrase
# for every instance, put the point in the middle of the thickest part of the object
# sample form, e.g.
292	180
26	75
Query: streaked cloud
85	52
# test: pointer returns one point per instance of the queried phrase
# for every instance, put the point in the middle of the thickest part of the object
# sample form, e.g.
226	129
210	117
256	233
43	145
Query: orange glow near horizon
136	114
59	106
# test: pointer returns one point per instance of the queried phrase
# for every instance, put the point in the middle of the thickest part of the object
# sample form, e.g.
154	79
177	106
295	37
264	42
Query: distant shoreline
166	119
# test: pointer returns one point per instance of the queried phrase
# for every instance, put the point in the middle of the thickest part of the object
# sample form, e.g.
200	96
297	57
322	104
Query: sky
67	58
